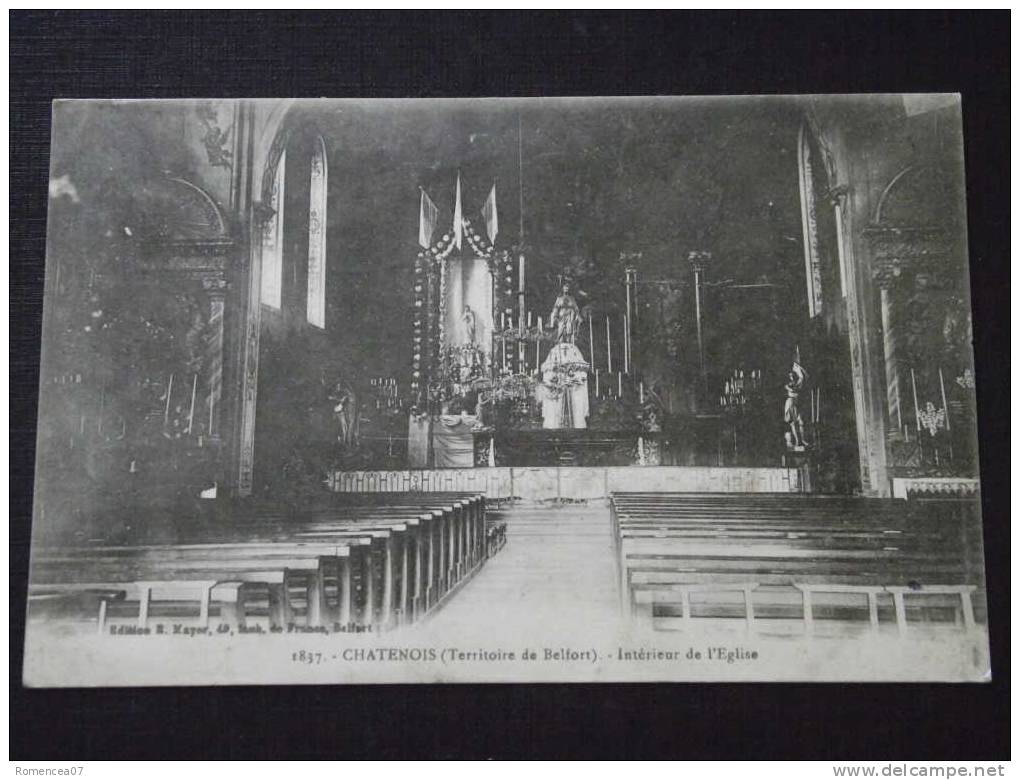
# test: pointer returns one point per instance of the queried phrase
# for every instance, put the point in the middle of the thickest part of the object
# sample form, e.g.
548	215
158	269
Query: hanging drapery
427	219
491	216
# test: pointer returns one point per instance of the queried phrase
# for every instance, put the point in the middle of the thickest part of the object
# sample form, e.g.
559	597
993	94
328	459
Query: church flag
491	216
427	220
458	217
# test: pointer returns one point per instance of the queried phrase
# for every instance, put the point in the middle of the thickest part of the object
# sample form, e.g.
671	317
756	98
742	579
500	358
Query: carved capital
699	260
216	287
262	212
914	253
838	194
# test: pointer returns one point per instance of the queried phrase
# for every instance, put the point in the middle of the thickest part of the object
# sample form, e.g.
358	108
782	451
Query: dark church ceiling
655	177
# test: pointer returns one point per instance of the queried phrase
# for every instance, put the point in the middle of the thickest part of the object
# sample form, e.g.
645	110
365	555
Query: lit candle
597	395
619	378
641	391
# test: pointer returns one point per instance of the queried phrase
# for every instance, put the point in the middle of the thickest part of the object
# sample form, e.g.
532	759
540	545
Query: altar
562	447
494	385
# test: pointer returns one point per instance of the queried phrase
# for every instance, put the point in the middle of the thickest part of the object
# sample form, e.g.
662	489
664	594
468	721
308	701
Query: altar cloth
453	443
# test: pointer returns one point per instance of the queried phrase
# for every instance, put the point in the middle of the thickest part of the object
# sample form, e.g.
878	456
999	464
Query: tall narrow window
272	240
317	237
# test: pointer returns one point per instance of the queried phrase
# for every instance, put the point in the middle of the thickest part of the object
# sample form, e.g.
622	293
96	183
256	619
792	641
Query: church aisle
555	573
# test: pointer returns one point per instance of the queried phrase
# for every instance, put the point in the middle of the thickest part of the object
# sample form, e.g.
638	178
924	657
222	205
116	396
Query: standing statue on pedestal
796	381
565	317
563	391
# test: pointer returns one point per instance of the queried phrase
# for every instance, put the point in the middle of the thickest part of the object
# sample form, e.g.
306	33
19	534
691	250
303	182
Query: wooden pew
779	550
191	572
388	539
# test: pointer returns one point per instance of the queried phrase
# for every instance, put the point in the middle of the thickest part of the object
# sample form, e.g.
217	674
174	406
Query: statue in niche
565	317
346	413
468	319
795	384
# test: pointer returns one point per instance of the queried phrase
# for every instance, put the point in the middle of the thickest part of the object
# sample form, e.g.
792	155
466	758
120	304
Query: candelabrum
740	389
385	394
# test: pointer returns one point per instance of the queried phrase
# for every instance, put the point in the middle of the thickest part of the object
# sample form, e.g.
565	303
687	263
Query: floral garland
565	376
418	317
442	302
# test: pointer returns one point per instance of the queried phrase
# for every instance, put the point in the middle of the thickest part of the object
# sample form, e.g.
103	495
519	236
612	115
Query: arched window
317	237
272	241
809	221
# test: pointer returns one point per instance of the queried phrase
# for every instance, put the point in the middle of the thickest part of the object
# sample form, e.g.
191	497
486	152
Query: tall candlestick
169	391
194	392
626	327
591	341
609	347
917	409
626	345
520	291
945	404
102	404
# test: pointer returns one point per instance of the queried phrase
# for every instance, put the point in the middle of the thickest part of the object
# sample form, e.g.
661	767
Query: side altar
494	385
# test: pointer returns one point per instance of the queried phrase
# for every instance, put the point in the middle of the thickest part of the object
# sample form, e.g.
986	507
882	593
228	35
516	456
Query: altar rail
549	483
935	487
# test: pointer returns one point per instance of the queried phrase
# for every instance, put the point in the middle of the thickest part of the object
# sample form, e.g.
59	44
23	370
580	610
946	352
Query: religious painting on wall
507	390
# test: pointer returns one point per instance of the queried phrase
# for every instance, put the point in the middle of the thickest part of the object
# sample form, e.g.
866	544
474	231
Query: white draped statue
563	391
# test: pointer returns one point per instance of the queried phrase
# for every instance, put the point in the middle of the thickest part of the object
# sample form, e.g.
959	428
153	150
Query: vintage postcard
507	390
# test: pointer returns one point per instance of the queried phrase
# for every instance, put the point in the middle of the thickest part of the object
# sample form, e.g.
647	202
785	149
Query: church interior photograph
655	365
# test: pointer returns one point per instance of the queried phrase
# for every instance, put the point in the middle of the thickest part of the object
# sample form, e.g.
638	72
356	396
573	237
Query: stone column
892	375
216	289
261	214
